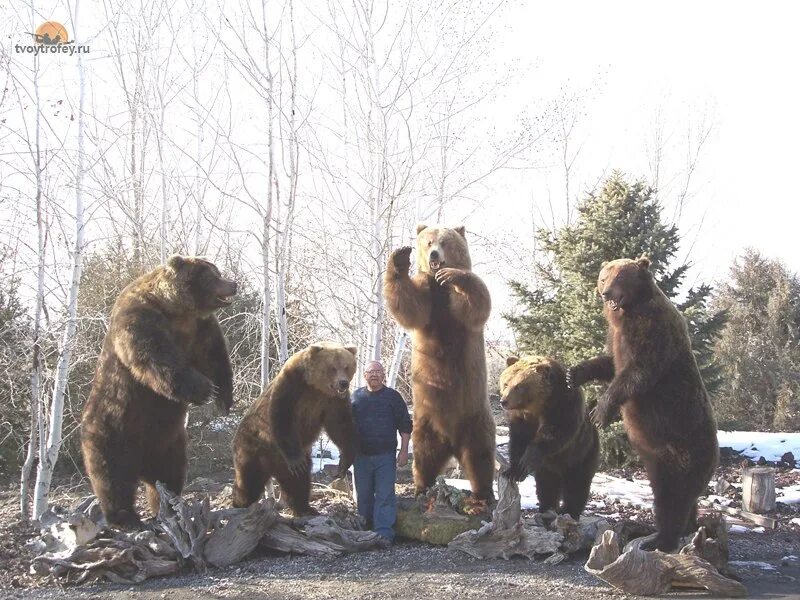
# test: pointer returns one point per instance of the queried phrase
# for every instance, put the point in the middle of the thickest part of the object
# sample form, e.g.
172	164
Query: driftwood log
700	564
507	535
77	547
758	489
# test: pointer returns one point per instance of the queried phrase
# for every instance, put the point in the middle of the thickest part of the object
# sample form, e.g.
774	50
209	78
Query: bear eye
430	243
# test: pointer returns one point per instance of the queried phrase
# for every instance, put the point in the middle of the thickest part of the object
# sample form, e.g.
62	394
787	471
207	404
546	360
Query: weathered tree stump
758	489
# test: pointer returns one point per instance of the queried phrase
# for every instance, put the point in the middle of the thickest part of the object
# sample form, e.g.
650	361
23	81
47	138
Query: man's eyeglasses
373	372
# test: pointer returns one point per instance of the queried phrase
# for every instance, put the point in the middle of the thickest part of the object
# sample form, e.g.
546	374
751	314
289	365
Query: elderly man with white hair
380	414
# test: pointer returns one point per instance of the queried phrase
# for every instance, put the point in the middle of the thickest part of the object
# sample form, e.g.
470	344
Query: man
380	413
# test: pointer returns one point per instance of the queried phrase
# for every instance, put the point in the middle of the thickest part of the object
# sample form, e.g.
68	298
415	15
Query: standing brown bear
656	383
163	351
550	433
445	306
275	436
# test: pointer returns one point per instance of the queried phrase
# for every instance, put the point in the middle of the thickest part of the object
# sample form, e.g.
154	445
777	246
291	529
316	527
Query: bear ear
421	227
512	360
175	261
461	230
352	350
643	262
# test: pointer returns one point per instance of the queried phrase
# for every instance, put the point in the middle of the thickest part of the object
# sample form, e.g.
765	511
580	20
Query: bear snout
344	384
434	255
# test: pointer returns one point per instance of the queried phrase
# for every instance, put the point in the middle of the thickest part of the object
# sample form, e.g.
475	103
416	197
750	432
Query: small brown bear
445	306
275	437
163	351
551	434
656	383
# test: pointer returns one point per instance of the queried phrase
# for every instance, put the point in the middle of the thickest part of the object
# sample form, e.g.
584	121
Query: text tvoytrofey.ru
50	49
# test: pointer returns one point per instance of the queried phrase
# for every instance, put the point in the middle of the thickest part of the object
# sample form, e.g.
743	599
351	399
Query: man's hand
402	458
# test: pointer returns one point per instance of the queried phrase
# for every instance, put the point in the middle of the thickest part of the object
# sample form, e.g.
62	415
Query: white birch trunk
47	460
266	292
36	370
282	272
397	359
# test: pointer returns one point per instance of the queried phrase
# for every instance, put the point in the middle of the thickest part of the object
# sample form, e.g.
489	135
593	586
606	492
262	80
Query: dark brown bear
656	383
445	306
163	351
275	437
551	434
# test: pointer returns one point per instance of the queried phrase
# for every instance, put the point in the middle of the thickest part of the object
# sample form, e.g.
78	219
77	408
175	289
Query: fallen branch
649	573
768	522
76	547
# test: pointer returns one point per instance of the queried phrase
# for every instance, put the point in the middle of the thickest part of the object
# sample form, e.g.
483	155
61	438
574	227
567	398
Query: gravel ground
412	570
407	570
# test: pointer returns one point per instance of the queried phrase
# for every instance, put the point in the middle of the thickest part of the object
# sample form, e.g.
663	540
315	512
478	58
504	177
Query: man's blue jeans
374	478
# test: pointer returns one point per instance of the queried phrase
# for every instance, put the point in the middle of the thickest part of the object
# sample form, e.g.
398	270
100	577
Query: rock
787	460
721	486
437	525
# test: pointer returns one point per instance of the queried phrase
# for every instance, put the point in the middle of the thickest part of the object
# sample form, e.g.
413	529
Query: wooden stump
758	489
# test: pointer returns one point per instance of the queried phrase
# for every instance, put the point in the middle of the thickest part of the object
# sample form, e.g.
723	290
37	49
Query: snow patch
752	564
789	494
754	444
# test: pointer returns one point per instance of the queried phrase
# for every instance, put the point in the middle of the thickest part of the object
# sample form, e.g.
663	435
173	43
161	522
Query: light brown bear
445	306
550	433
163	351
656	384
275	436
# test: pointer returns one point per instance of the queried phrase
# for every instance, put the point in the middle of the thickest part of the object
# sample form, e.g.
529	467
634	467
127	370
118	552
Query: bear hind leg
166	464
548	489
114	476
477	458
674	503
431	453
296	489
250	478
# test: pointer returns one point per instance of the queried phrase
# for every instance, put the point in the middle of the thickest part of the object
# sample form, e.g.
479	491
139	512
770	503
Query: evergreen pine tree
563	317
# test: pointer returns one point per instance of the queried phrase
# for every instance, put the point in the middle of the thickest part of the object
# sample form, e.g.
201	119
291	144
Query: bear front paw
297	465
573	379
401	259
515	473
448	276
196	389
602	415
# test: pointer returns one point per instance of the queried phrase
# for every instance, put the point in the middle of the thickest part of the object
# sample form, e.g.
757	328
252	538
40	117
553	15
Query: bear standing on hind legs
656	384
163	351
445	306
275	436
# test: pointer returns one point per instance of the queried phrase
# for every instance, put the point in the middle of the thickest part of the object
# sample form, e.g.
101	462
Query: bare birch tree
48	458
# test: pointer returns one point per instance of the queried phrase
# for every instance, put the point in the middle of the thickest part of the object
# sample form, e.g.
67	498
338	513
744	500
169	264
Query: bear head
527	383
329	367
439	247
625	283
191	284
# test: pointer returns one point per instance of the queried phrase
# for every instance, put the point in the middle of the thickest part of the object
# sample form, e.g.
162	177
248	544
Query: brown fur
656	383
445	306
163	351
275	437
551	434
